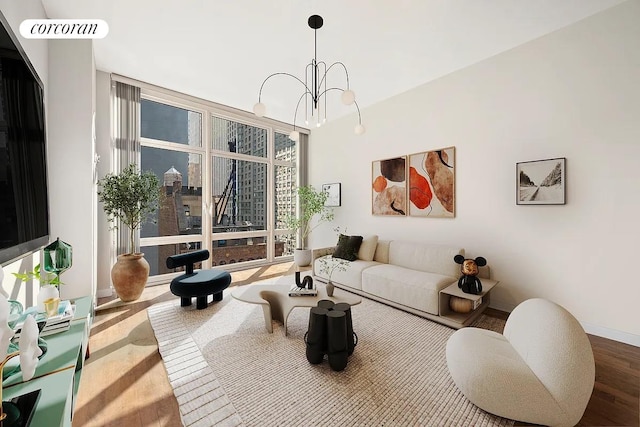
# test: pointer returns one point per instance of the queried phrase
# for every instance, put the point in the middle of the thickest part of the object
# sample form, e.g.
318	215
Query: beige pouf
540	371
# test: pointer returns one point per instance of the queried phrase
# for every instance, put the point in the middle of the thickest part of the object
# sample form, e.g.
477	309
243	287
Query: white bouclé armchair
540	371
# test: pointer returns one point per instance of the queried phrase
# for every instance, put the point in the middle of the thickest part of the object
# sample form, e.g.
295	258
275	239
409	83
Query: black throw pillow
348	247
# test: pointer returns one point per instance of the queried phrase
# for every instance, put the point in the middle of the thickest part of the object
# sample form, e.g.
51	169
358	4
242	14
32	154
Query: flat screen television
24	207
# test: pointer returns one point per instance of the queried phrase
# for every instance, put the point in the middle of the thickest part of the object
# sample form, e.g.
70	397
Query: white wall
70	159
574	93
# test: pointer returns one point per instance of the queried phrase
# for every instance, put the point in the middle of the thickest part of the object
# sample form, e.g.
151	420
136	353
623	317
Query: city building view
235	201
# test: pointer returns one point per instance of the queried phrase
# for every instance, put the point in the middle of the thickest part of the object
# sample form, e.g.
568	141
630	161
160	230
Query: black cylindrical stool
352	338
337	339
326	303
316	336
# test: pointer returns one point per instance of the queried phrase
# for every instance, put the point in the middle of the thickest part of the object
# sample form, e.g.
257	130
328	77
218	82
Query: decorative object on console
541	182
432	183
51	306
469	282
389	182
29	351
48	284
129	198
48	323
316	76
58	258
333	194
312	205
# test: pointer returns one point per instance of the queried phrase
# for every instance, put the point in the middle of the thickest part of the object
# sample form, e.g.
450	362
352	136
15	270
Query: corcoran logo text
64	28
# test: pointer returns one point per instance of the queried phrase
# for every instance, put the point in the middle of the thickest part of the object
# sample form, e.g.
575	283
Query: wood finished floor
124	382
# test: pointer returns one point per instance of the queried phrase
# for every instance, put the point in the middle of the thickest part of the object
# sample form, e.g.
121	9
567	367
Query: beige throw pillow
368	248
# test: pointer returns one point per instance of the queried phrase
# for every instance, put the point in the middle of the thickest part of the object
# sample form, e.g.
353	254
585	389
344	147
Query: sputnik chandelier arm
315	89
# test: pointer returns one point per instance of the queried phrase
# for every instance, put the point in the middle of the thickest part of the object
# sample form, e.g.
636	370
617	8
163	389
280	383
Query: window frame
208	110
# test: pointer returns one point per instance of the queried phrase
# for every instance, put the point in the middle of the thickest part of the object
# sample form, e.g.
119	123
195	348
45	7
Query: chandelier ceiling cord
315	88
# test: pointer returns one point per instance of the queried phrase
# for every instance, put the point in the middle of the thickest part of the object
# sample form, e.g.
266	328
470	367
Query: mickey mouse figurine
468	282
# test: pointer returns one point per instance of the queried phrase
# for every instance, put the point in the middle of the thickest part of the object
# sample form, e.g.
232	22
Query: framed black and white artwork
541	182
333	194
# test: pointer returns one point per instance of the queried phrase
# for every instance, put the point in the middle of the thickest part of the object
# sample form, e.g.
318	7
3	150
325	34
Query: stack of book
54	324
302	292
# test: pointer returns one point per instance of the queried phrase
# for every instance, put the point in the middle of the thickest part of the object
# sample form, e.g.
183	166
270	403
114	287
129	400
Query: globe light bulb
359	129
348	97
294	136
259	109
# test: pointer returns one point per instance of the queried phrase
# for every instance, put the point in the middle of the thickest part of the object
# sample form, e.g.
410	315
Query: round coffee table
277	304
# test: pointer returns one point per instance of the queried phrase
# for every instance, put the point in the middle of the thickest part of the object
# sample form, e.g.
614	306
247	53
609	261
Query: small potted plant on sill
129	197
311	207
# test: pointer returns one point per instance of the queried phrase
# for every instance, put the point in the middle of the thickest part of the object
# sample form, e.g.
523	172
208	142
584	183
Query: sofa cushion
382	251
411	288
348	247
351	277
368	248
425	257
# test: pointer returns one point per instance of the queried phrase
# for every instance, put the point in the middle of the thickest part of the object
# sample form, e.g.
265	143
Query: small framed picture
541	182
333	191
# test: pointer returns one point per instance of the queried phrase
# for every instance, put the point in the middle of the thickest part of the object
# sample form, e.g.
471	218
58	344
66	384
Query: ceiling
222	50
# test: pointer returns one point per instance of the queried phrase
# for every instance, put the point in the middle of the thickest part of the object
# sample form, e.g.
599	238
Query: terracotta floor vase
129	276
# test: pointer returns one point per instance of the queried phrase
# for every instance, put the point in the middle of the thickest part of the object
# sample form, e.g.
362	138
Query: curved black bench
199	283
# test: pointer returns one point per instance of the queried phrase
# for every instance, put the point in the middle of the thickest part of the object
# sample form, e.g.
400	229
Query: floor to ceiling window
228	183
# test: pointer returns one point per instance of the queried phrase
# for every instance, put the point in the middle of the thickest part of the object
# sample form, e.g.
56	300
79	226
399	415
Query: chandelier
315	89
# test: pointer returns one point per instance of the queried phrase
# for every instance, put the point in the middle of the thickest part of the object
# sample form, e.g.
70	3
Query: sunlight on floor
124	380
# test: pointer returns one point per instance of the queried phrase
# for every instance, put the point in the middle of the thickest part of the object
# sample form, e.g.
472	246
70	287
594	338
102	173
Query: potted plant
129	197
311	206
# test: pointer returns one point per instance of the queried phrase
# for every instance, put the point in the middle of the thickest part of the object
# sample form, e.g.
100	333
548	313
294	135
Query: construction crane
229	193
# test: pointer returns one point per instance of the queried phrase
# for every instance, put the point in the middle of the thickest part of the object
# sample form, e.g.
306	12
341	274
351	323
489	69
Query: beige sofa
404	274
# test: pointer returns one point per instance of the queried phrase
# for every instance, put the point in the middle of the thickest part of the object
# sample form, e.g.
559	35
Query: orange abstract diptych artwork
419	191
432	183
389	184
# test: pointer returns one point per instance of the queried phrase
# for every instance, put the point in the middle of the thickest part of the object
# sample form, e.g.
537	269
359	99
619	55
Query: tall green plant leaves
130	197
311	205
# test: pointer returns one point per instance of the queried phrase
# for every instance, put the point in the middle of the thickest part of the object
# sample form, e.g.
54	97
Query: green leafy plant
329	264
44	277
311	205
130	197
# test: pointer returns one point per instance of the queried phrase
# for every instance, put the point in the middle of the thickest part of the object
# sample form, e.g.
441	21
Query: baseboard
599	331
104	293
499	305
612	334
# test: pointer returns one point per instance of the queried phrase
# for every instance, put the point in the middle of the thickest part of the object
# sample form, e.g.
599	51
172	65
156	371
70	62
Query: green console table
58	372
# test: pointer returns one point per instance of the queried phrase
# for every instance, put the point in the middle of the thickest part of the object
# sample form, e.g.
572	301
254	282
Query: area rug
227	370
